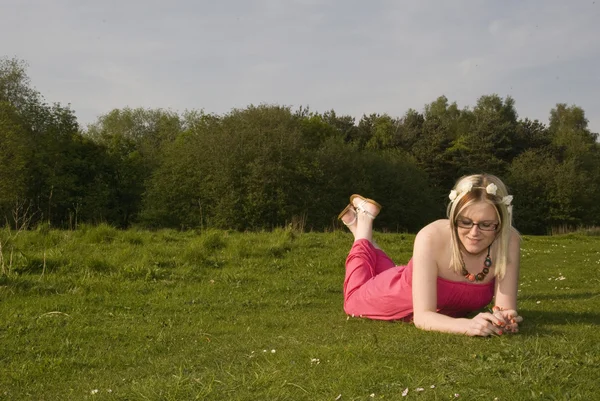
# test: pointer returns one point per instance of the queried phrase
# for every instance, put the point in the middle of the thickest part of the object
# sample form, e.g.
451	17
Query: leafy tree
410	129
578	181
240	166
530	135
134	140
558	183
15	86
345	125
260	168
316	130
436	146
384	132
15	154
266	166
531	180
486	146
569	132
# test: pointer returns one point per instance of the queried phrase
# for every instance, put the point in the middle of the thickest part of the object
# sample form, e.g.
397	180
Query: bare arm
505	299
424	287
506	288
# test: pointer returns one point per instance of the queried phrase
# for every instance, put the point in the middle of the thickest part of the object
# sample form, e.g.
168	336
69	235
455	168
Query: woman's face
482	216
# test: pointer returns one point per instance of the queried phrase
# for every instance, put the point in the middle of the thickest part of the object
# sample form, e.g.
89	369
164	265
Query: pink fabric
376	288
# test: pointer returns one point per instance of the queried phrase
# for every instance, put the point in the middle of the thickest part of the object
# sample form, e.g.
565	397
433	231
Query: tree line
268	166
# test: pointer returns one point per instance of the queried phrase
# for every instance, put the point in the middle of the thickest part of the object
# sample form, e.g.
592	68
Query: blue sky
356	57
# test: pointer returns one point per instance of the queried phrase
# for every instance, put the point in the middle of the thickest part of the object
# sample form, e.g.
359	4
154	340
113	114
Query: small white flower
464	187
94	391
273	351
456	395
405	392
432	386
419	389
491	189
507	200
453	195
372	395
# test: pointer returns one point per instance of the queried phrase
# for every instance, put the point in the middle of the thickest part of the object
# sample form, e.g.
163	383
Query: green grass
218	315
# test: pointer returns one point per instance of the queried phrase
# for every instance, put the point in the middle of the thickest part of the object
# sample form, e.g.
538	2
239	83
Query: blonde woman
459	265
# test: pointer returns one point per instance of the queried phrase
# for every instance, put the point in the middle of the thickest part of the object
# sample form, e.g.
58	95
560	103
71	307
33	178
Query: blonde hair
471	189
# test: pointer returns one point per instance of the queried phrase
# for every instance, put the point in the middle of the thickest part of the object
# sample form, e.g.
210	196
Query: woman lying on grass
459	264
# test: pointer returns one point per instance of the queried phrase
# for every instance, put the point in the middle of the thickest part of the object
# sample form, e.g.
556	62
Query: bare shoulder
514	241
434	233
430	243
515	236
514	245
435	228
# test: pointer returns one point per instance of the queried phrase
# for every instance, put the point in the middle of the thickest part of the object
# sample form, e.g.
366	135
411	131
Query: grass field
102	314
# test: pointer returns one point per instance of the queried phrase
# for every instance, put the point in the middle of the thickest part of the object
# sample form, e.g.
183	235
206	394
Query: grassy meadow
102	314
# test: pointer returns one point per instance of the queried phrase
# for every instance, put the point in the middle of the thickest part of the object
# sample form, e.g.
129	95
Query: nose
475	227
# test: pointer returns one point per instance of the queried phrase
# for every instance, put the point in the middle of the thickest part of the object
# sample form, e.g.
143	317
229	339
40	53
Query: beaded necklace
479	276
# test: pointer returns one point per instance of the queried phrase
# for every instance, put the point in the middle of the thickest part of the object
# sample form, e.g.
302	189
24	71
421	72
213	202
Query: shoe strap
360	208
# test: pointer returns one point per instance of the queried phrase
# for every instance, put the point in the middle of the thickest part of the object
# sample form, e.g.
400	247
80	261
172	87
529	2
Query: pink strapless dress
376	288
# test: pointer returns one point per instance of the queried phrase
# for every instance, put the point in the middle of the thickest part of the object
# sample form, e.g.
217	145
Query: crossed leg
365	260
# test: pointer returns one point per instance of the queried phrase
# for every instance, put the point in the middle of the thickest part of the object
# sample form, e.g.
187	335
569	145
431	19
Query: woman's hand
485	324
511	319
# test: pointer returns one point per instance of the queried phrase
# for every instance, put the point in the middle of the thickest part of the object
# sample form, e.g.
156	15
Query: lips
473	244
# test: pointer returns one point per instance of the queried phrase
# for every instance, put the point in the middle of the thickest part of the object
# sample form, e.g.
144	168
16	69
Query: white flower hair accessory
464	187
461	189
491	189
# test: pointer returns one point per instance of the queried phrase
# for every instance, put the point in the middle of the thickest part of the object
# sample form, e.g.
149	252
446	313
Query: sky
355	57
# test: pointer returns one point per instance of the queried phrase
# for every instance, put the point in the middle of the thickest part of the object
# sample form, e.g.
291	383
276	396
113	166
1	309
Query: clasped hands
497	322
